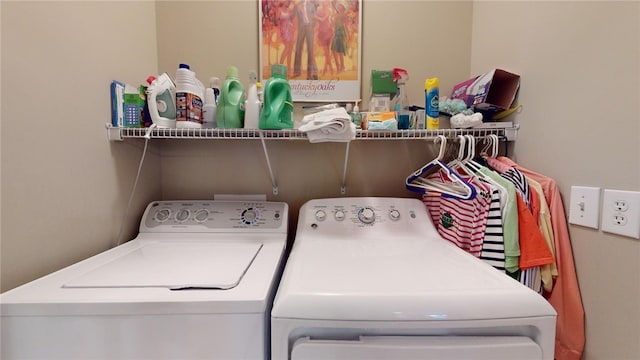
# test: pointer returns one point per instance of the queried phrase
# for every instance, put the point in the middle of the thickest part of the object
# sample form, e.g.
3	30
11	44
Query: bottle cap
279	70
214	82
232	71
150	79
184	66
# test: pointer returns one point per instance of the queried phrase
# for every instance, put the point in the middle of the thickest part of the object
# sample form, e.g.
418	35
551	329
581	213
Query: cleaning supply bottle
161	95
252	104
277	110
231	101
209	109
214	83
356	117
189	98
431	103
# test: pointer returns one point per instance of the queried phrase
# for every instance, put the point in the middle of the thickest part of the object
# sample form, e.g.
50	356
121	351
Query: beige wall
580	65
64	186
580	69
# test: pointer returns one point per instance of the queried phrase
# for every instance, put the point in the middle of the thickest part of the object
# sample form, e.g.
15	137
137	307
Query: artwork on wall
319	41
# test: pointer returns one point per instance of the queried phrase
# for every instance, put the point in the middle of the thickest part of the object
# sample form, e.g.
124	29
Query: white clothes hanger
457	188
459	163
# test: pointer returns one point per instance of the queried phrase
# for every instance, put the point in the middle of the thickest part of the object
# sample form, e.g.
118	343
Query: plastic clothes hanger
457	188
474	165
459	163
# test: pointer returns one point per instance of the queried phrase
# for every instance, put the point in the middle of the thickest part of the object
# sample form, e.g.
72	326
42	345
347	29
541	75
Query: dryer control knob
367	215
394	214
321	215
339	215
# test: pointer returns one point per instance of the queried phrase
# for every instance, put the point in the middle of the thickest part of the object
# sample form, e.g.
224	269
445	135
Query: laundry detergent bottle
189	98
277	110
161	95
230	112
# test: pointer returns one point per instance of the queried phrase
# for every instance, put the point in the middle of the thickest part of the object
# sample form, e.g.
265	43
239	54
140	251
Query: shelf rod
343	189
266	155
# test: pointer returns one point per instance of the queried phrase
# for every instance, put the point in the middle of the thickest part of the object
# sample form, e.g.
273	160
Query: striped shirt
493	244
462	222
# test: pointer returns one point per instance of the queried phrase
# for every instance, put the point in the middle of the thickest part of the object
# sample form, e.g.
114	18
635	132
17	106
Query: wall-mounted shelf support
343	188
266	156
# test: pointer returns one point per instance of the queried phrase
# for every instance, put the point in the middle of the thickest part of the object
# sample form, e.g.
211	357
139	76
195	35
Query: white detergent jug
189	99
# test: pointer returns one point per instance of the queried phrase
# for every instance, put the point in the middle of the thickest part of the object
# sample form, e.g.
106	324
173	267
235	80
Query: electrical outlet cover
621	212
585	206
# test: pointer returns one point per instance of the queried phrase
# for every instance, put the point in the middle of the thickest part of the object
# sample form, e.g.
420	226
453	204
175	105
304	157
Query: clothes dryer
370	278
196	283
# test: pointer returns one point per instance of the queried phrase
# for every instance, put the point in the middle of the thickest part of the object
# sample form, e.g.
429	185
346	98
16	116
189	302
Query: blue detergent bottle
277	110
230	112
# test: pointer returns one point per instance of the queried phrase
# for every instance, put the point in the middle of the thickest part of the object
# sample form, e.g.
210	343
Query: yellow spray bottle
431	94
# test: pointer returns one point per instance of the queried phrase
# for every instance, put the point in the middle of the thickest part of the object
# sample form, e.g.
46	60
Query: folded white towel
329	125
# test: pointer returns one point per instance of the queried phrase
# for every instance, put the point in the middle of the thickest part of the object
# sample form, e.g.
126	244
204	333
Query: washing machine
370	278
196	283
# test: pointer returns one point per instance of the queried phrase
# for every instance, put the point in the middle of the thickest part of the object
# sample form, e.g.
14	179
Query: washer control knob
163	214
201	215
367	215
339	215
182	215
394	214
321	215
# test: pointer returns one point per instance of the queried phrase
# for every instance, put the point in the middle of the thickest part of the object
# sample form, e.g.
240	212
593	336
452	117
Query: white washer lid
174	265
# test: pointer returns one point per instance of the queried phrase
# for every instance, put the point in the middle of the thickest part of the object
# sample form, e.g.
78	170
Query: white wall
580	67
64	186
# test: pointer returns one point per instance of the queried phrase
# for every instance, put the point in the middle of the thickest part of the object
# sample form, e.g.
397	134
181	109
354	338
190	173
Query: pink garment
565	297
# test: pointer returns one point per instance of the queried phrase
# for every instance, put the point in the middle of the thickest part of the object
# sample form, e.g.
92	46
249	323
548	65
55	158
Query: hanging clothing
462	222
565	296
509	222
549	271
530	273
493	243
534	250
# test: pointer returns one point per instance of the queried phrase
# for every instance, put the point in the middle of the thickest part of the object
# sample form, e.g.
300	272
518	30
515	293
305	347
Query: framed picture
319	41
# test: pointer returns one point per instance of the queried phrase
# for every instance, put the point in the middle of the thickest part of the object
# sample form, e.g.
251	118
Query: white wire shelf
121	133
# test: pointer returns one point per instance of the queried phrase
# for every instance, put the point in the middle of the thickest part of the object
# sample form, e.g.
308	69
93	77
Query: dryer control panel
214	216
349	214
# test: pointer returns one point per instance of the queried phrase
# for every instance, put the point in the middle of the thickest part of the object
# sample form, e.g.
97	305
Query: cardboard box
493	91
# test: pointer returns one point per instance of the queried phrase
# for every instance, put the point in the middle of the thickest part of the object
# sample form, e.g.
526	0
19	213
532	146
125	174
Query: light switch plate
621	212
585	206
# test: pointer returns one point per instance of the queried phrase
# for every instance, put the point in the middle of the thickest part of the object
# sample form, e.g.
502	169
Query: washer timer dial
250	216
367	215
